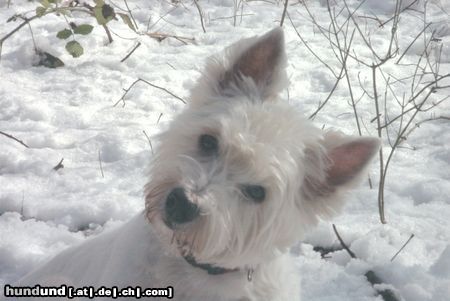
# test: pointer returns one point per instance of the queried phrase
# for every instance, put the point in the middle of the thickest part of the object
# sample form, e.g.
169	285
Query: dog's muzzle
179	209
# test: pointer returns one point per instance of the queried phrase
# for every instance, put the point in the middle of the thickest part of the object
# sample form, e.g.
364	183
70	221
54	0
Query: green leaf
48	60
99	16
64	34
83	29
40	11
45	3
74	48
127	20
108	12
104	13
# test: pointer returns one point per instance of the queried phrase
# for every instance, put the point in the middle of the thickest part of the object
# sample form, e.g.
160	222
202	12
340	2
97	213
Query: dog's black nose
179	209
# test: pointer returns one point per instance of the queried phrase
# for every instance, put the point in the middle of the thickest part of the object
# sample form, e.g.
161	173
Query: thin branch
309	48
159	118
122	99
381	183
59	165
401	249
14	138
352	255
393	17
131	15
313	115
284	12
23	201
342	55
412	43
108	33
230	17
415	96
201	14
131	52
161	36
100	163
25	22
149	141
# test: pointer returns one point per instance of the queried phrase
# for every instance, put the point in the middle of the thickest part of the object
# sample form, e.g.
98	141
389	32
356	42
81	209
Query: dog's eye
255	192
208	145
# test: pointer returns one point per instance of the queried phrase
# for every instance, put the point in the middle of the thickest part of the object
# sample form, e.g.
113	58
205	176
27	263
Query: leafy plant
99	10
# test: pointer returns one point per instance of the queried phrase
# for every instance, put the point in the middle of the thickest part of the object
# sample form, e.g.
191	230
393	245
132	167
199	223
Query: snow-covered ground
68	113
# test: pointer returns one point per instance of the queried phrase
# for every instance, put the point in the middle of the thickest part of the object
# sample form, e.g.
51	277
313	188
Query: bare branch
404	245
14	138
149	141
100	163
122	99
309	48
59	165
284	12
131	52
352	255
200	14
162	36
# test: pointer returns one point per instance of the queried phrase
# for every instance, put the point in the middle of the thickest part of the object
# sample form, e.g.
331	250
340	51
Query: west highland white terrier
239	177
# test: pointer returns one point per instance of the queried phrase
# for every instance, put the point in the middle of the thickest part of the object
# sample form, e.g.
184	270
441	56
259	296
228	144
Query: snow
68	113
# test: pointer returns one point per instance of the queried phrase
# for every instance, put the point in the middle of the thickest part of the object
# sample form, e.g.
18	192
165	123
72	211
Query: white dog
238	179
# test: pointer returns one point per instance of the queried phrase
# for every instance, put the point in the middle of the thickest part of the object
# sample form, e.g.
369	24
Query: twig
131	52
159	118
200	14
309	48
401	249
284	12
393	17
381	183
25	22
14	138
108	33
23	201
414	40
149	141
343	69
342	55
418	124
59	165
122	99
352	255
131	14
32	37
100	163
162	36
230	17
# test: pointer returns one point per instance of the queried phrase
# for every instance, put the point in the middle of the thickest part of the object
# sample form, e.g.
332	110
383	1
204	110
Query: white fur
262	141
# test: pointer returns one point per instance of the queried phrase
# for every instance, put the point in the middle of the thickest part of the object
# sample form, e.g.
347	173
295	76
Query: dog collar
210	269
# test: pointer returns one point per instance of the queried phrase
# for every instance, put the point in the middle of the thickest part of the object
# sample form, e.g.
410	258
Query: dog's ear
333	167
252	67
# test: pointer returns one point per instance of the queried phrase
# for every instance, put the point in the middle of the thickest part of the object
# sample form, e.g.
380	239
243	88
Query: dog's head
240	175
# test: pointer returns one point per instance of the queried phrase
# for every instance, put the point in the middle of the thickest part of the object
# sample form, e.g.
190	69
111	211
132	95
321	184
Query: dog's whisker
193	240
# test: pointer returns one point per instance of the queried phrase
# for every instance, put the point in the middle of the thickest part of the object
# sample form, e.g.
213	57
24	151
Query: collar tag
250	275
